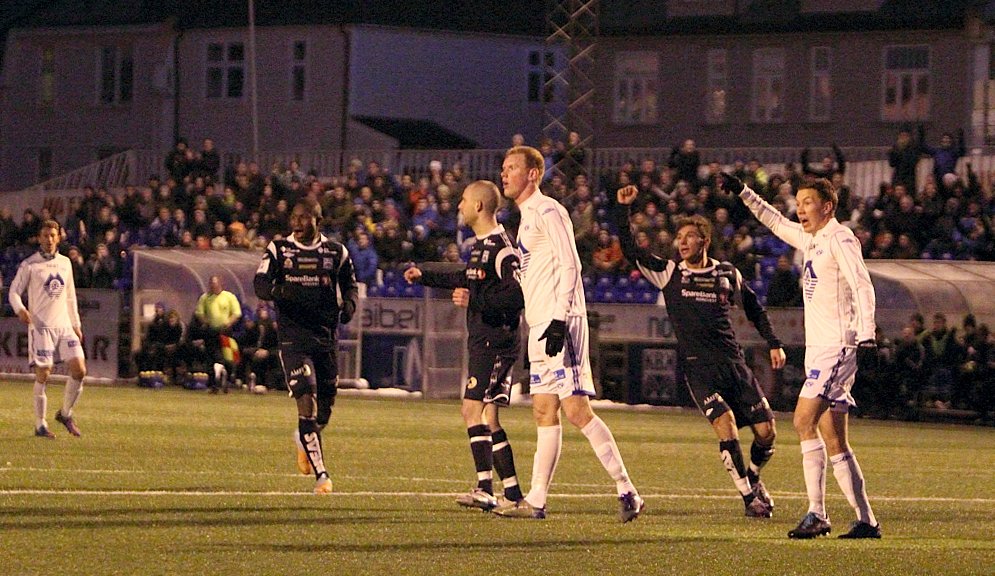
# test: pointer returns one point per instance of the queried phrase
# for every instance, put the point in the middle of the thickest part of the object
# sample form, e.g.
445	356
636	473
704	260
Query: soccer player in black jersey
311	280
699	292
488	288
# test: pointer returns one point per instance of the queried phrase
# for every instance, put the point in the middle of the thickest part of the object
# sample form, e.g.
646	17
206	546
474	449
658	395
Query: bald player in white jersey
54	331
556	312
839	336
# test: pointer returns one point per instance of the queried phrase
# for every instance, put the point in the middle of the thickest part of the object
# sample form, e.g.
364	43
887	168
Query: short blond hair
533	158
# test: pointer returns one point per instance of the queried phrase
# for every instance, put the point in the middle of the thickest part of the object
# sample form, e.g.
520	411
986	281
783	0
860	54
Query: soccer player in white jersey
54	331
555	310
839	337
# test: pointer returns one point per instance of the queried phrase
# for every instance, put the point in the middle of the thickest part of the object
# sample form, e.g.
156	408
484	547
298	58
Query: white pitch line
401	494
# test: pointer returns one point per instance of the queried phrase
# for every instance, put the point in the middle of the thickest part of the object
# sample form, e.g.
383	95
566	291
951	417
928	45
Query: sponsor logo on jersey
475	273
534	379
560	374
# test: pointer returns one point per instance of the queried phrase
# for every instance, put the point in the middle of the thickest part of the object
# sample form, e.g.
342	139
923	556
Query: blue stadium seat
604	295
622	283
373	290
648	296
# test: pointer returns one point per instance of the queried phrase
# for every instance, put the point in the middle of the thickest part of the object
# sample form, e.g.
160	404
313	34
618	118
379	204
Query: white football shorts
50	346
569	372
829	373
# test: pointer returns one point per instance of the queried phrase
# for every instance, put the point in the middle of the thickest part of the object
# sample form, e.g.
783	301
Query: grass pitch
177	482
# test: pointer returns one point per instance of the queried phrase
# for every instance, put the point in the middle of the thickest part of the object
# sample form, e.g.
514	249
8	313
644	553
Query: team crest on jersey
54	285
471	383
809	281
327	263
288	263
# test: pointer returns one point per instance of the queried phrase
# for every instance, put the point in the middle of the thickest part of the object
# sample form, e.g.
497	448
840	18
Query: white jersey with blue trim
550	265
838	294
51	291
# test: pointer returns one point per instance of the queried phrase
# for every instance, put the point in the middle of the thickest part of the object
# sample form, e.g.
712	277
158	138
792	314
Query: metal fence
867	167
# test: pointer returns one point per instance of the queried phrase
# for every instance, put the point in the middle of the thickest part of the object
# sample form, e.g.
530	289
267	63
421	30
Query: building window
716	93
46	91
298	71
541	66
225	70
905	83
768	85
636	91
820	89
44	164
116	75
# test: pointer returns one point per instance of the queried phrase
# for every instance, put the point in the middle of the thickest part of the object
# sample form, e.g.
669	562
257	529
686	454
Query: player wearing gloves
839	339
311	280
556	312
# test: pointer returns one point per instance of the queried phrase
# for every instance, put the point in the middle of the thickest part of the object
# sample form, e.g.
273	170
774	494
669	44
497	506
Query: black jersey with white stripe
307	282
492	277
699	300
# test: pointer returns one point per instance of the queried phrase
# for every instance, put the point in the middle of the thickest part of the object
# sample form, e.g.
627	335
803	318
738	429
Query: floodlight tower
573	24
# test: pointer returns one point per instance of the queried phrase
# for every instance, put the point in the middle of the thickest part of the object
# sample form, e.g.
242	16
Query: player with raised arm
839	339
699	293
55	333
487	286
556	313
311	280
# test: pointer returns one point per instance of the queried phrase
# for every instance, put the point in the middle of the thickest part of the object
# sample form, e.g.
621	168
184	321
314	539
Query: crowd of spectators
387	219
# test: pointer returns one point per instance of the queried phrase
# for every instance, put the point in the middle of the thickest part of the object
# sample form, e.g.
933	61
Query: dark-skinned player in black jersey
699	292
312	281
487	286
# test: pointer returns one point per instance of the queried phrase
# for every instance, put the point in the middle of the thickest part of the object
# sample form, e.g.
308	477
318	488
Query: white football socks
549	442
74	388
851	481
814	467
41	404
601	439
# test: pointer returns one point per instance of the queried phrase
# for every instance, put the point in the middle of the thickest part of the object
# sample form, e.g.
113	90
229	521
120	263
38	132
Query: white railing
867	167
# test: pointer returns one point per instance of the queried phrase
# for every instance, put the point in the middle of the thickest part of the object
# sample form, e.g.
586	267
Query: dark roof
649	17
500	16
617	17
413	134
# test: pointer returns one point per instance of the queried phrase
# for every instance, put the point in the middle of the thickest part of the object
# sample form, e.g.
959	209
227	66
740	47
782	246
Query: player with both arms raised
311	280
699	292
488	287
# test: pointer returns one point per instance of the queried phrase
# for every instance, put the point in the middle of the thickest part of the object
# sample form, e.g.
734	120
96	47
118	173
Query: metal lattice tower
574	25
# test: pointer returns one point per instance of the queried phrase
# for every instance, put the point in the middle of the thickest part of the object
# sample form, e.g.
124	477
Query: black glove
867	355
347	311
730	184
554	336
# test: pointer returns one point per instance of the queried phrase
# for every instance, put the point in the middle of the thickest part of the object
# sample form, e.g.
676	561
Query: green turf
177	482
